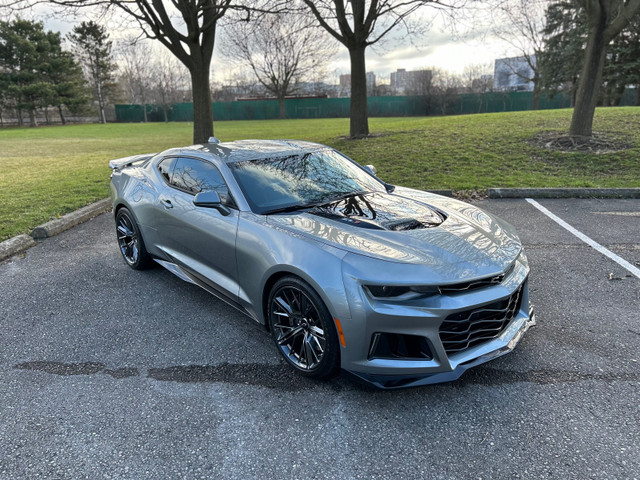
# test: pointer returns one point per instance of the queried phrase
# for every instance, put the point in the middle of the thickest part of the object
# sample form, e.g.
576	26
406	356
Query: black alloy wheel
302	328
130	241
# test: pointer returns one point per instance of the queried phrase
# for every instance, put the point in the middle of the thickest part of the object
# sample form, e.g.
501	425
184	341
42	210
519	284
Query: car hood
410	226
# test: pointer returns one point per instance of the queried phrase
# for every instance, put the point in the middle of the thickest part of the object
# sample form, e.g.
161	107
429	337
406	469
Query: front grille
483	282
465	329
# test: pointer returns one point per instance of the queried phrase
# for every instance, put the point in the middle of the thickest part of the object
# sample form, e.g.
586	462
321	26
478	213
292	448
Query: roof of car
241	150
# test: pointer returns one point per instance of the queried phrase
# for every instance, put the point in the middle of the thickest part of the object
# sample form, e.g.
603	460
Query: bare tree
606	19
520	23
237	84
357	24
447	87
186	27
138	69
478	77
171	83
281	50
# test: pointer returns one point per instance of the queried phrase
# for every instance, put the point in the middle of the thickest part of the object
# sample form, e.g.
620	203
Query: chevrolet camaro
397	286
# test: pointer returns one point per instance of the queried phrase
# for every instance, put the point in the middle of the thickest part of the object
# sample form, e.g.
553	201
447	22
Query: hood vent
409	224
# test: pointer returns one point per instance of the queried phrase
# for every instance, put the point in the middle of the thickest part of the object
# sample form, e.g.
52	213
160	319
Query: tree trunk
32	118
536	93
19	115
103	118
359	126
590	80
618	92
62	119
283	110
166	117
604	99
574	91
638	95
144	111
202	110
46	115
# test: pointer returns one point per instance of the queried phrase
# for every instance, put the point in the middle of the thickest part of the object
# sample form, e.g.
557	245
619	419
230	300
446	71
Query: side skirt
192	277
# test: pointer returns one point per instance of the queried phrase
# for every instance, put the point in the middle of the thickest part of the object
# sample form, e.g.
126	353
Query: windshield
309	179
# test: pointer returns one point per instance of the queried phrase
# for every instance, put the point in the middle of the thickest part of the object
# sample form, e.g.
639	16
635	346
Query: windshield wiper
291	208
305	206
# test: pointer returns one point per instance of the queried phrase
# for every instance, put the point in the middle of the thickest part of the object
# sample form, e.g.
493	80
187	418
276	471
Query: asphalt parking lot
110	373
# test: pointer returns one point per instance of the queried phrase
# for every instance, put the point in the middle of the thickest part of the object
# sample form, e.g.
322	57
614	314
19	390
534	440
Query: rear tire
130	241
302	328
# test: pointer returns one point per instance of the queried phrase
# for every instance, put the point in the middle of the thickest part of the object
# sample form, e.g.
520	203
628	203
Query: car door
199	239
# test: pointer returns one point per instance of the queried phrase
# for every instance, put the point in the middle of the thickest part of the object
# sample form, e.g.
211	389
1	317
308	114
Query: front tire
302	328
130	241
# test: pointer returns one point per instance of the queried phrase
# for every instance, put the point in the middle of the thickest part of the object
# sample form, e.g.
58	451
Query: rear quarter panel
132	188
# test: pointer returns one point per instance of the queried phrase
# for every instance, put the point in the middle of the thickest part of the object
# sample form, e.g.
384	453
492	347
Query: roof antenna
213	140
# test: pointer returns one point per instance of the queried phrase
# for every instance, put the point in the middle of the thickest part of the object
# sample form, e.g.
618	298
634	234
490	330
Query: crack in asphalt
283	378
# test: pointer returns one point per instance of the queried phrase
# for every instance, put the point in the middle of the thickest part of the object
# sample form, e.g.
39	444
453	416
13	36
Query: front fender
264	251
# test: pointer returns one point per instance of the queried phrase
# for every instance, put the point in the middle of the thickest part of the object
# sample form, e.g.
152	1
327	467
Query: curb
19	243
54	227
15	245
563	192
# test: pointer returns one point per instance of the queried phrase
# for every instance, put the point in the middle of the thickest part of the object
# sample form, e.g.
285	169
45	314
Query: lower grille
465	329
396	346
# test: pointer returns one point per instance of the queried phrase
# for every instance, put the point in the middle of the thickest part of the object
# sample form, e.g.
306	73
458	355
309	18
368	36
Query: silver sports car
399	287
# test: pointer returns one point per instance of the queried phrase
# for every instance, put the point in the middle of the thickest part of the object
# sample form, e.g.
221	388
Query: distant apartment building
345	84
414	82
514	74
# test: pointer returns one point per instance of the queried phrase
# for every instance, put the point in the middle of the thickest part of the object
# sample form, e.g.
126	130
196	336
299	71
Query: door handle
166	203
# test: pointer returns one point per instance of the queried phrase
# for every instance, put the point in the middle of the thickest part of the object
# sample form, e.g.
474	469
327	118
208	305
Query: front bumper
502	345
423	319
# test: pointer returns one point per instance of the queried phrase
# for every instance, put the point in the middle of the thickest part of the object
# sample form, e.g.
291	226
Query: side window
165	167
195	176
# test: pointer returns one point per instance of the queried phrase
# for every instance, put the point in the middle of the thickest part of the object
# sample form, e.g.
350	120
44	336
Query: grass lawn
49	171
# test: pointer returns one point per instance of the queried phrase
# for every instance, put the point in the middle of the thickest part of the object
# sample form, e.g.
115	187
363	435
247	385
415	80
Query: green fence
339	107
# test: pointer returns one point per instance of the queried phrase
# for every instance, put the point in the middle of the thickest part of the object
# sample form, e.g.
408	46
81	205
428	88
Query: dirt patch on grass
561	142
381	134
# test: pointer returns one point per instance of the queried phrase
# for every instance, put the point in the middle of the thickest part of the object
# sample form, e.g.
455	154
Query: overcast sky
440	48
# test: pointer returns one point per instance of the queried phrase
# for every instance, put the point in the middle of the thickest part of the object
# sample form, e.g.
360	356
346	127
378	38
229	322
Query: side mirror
372	170
210	199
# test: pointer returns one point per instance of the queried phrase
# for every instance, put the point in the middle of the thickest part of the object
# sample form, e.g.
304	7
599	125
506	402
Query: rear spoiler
119	163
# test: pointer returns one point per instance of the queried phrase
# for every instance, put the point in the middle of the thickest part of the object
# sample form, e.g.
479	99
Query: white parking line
608	253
